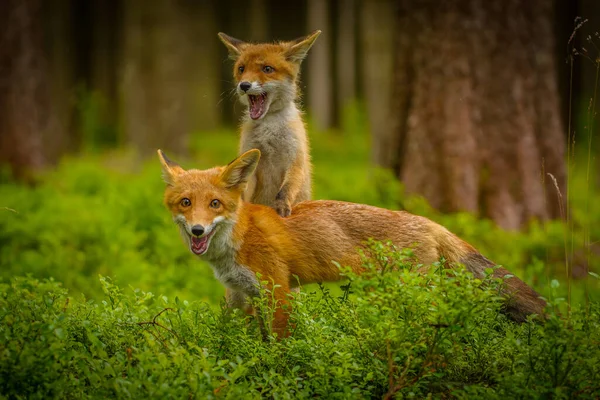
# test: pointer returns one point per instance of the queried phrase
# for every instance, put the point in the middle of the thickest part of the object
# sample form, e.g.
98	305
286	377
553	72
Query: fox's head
266	73
204	203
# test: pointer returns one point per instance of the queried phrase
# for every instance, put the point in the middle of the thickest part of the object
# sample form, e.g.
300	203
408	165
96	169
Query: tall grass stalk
587	229
591	114
570	145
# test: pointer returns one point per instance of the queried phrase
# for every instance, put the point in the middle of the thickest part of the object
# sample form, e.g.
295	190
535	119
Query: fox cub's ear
241	169
170	169
299	47
233	45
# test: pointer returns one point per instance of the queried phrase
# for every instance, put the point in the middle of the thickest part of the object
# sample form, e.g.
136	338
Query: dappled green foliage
65	334
391	331
104	215
85	220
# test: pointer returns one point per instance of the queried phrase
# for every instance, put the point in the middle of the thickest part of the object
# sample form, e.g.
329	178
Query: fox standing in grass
267	82
240	239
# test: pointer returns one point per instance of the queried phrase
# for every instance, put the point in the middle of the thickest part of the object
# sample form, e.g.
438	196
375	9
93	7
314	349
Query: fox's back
359	220
324	231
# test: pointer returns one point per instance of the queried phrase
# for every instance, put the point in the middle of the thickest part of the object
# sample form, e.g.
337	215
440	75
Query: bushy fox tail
521	299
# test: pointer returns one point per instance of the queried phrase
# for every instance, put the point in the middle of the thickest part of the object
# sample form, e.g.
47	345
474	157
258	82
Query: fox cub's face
204	203
266	73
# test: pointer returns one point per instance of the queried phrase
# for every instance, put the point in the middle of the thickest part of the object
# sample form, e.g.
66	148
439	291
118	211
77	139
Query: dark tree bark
476	108
25	112
170	80
61	78
377	54
258	20
320	93
586	70
346	54
102	80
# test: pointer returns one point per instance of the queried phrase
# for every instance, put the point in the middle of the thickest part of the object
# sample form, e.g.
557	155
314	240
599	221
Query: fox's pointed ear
170	169
234	46
299	47
241	169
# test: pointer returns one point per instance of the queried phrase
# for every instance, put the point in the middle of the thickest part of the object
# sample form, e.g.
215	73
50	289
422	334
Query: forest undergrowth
99	297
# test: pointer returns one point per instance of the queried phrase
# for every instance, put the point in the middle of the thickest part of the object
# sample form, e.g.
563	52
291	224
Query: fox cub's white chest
281	138
274	135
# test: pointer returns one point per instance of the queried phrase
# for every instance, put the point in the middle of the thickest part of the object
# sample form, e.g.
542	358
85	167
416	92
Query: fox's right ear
299	47
241	169
233	45
170	169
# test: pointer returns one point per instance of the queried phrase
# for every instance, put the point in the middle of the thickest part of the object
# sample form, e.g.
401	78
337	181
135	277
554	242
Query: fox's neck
228	240
223	248
248	220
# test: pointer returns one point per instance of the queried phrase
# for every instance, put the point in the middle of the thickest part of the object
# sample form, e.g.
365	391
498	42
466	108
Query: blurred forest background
476	105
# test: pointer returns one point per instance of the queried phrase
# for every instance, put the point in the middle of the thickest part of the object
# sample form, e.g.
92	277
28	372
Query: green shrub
104	215
85	220
391	331
441	334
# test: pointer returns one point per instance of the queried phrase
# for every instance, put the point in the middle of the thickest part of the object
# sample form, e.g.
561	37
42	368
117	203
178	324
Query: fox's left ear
299	47
241	169
233	45
170	169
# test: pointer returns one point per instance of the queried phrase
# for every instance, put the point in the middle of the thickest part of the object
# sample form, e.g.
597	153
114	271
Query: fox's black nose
197	230
245	86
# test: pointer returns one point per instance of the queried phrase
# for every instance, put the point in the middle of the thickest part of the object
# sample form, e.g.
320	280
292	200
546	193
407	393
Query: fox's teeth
257	104
199	245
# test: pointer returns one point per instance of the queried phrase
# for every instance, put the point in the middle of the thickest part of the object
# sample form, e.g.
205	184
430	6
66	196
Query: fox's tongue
199	244
257	105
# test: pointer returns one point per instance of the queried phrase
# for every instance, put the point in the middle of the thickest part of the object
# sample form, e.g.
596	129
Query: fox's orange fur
266	76
240	239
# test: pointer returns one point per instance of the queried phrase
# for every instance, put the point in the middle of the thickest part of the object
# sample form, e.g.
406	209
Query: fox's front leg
281	310
277	291
288	192
282	204
278	302
237	299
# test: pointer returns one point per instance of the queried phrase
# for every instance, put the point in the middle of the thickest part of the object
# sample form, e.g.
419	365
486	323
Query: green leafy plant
393	331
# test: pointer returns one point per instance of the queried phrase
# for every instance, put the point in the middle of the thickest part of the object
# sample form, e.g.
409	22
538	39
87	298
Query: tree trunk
61	81
25	108
103	80
170	80
258	20
320	99
476	108
377	48
586	70
346	54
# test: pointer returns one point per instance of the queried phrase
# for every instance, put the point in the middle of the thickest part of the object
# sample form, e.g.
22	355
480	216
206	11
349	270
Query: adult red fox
266	76
240	239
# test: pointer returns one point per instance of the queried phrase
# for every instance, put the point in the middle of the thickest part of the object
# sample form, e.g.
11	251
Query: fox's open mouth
257	105
199	245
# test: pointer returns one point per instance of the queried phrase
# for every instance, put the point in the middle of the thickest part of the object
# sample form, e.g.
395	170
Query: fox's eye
185	202
267	69
215	203
241	69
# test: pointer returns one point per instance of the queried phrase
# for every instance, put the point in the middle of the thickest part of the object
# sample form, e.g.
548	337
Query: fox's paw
282	207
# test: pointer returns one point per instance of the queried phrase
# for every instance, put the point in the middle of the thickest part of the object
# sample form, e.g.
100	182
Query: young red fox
267	77
240	239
